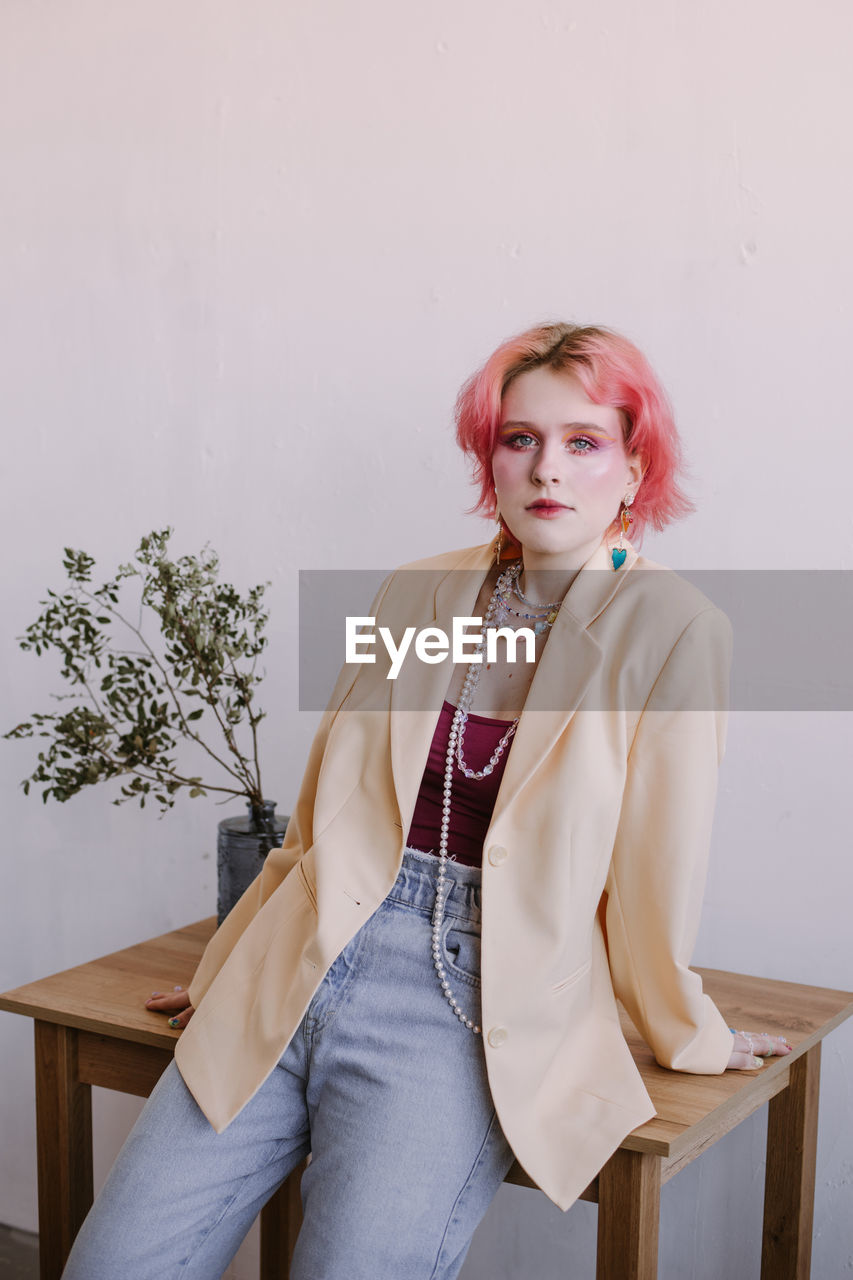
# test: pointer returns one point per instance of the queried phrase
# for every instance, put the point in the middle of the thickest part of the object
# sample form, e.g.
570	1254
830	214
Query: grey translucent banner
650	638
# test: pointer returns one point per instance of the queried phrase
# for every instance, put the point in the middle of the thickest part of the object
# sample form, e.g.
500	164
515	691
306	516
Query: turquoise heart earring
619	552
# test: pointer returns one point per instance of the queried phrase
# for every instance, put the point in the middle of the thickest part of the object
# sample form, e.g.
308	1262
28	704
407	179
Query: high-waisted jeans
381	1082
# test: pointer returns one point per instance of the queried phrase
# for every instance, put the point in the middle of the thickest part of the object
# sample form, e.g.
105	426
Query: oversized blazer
593	868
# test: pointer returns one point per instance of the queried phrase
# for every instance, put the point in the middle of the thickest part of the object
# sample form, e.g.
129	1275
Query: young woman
421	984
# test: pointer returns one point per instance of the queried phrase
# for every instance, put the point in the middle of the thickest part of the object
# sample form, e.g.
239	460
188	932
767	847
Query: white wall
249	253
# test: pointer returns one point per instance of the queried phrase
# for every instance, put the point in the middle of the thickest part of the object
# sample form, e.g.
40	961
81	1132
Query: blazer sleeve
657	873
298	838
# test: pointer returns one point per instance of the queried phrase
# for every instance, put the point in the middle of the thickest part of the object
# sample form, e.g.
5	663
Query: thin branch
161	772
187	730
91	694
254	720
214	704
254	725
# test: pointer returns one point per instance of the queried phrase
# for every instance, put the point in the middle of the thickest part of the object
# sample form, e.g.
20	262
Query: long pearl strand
454	754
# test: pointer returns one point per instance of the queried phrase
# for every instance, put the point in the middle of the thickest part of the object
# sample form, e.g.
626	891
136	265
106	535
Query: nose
546	467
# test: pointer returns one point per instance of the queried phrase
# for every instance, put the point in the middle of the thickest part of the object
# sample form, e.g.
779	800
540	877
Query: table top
107	995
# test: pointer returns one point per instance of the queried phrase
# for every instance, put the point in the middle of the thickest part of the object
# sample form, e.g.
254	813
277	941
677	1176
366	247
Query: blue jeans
384	1086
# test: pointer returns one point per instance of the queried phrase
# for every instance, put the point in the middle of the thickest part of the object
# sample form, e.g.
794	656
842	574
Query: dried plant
136	695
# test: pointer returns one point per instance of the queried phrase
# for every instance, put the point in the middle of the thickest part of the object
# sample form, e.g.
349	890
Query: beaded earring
500	540
620	551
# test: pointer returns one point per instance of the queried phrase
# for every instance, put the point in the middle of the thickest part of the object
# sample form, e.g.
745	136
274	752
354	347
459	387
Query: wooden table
91	1027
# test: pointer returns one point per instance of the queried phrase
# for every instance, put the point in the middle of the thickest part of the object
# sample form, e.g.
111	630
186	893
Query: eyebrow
591	427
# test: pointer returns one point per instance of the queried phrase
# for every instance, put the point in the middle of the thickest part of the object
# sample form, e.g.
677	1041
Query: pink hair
611	371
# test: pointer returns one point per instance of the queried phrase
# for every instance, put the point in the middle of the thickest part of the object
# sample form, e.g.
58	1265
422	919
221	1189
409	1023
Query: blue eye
519	440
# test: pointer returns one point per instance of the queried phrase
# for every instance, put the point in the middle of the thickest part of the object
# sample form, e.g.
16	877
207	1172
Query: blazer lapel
569	661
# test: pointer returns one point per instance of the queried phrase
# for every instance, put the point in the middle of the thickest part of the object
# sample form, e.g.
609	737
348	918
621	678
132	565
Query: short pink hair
611	371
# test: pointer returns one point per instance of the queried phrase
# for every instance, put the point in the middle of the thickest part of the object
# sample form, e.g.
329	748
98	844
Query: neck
547	578
546	586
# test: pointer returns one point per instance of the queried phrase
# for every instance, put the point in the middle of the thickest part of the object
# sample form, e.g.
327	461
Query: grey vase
241	847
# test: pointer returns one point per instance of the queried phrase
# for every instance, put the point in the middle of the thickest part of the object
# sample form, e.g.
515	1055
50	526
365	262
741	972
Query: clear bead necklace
541	620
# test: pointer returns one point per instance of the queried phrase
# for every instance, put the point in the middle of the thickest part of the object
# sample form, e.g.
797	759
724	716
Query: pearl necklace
454	753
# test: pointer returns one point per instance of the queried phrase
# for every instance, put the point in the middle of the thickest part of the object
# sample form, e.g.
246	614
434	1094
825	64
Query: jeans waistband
415	885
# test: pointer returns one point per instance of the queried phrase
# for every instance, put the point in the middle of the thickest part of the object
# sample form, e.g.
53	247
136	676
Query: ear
636	470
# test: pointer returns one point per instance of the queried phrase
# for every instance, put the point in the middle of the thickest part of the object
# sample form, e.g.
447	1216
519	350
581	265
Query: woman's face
560	468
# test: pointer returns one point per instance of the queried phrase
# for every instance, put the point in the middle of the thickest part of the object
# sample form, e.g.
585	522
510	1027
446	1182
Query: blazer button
498	1036
497	855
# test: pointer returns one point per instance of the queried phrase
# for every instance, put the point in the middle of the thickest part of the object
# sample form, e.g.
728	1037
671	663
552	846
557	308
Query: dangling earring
619	552
499	544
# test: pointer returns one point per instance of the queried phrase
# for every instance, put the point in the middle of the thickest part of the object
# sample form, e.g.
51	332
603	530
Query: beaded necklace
541	620
505	583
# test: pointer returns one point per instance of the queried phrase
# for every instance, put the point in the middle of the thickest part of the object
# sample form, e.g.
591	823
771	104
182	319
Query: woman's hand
176	1003
752	1047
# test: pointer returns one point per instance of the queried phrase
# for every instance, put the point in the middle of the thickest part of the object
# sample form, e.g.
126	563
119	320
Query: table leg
628	1217
281	1218
64	1141
790	1173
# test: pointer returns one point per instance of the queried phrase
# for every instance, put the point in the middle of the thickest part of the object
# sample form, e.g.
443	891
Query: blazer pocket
307	884
573	977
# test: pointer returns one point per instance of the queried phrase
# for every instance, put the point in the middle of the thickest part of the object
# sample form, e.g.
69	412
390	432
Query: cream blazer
593	869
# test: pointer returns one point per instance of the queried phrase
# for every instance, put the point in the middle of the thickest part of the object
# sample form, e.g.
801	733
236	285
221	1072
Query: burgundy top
471	799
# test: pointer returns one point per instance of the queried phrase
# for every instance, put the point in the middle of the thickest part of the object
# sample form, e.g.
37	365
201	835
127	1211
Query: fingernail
156	993
173	1022
757	1062
177	988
